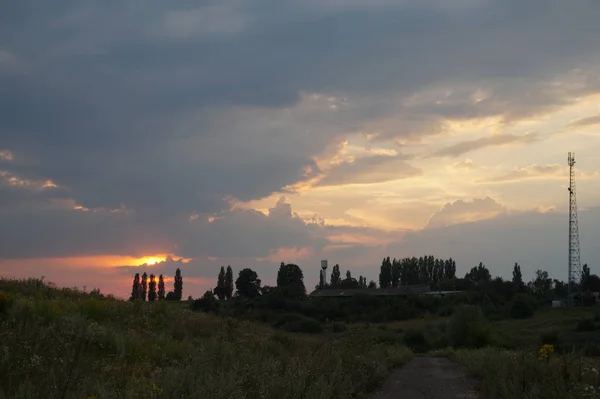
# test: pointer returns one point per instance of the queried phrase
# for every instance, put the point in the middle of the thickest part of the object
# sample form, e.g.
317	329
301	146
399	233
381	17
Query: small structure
557	303
398	291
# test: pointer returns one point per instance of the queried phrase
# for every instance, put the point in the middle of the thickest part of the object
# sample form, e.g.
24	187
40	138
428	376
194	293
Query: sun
150	260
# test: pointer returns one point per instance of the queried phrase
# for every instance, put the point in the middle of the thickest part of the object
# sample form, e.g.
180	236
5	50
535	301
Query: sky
146	136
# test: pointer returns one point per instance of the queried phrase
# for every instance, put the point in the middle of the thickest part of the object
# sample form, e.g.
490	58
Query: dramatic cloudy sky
246	133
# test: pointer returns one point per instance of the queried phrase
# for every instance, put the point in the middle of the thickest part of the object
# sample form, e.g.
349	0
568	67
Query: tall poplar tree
178	285
220	288
152	288
229	283
161	288
135	289
144	286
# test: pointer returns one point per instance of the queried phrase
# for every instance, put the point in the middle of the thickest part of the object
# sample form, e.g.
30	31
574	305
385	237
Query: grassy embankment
63	343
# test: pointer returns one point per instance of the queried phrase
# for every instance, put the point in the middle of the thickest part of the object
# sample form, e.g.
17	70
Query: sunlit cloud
6	155
552	171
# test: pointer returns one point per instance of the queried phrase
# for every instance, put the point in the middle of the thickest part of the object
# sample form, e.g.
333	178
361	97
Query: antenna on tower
574	283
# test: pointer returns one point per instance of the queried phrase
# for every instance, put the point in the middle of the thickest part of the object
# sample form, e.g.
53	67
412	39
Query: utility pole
574	281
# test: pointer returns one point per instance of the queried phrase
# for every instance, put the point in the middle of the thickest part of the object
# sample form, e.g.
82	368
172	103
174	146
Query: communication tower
574	281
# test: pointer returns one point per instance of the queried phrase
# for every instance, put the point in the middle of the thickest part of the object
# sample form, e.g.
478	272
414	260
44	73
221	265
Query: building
398	291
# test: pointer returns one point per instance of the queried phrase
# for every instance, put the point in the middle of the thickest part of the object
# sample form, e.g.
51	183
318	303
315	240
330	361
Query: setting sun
150	260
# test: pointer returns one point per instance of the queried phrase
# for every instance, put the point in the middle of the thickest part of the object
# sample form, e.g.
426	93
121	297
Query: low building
398	291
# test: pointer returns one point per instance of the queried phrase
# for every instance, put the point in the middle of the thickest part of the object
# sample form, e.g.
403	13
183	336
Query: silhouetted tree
135	289
349	282
541	284
479	274
161	288
336	277
178	285
229	283
385	273
290	280
372	285
152	288
396	272
362	282
208	303
585	273
144	286
321	280
171	296
248	284
220	288
517	278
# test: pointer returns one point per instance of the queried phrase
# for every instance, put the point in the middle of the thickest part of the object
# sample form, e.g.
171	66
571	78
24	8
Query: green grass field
62	343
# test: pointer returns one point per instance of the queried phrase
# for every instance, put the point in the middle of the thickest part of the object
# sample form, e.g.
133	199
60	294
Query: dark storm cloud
167	109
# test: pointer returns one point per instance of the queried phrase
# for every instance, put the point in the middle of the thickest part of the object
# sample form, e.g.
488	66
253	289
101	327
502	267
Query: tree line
145	287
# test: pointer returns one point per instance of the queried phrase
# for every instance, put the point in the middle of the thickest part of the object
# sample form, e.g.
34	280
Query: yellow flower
546	351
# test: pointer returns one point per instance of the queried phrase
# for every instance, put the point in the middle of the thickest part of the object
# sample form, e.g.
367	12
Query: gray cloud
465	211
120	105
369	169
527	172
535	240
491	141
589	121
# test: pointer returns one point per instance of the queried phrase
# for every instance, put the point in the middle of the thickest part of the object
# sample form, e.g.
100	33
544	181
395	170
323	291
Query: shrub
415	340
304	325
585	325
5	302
468	328
208	303
522	307
550	337
287	318
338	327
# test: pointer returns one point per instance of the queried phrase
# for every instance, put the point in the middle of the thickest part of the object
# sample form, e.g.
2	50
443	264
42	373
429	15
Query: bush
585	325
522	307
5	302
304	325
208	303
415	340
338	327
550	337
468	328
287	318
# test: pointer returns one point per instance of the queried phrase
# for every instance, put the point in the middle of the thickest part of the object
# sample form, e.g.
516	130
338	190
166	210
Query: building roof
399	291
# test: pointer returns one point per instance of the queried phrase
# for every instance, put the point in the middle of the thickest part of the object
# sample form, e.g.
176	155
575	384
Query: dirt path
428	378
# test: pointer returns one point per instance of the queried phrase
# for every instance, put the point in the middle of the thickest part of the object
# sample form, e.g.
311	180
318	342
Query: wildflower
546	351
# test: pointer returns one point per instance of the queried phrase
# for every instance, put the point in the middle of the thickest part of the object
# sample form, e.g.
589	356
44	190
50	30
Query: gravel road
428	378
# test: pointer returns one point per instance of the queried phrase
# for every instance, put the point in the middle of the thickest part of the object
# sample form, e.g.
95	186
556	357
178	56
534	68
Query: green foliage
290	280
77	345
5	302
585	325
522	374
550	336
178	285
304	325
468	328
161	288
208	303
415	340
248	284
522	307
